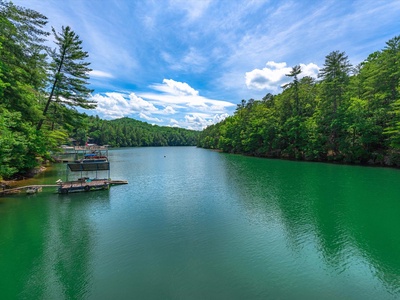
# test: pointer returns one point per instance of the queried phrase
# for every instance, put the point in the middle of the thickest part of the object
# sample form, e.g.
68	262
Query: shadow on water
348	214
46	244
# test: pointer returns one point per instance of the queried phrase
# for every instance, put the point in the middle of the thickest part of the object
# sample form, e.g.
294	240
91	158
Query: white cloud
191	110
180	96
199	121
273	76
309	70
195	121
137	104
193	8
269	78
109	106
176	88
117	105
218	118
101	74
169	110
148	118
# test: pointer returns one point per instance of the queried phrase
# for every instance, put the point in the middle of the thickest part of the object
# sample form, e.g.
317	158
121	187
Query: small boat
93	158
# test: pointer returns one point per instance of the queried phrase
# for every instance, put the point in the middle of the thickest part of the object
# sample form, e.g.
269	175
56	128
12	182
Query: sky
188	63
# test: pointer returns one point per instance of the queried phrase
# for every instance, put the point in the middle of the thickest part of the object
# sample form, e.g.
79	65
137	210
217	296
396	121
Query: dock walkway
20	188
71	185
87	185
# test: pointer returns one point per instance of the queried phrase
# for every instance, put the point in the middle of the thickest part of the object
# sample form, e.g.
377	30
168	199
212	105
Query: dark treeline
42	88
351	115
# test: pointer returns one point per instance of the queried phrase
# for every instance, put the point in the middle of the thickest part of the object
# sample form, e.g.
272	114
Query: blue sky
187	63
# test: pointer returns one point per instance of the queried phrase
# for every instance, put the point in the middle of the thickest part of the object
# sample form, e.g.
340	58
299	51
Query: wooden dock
117	182
83	186
26	187
95	160
67	187
87	185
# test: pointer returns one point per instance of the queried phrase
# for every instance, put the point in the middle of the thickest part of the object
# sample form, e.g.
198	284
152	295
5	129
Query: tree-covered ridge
127	132
351	114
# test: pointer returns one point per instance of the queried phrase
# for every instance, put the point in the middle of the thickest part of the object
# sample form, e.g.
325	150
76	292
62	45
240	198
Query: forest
127	132
350	114
41	90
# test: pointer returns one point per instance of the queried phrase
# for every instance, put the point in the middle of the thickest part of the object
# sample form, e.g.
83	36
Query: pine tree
335	74
296	70
69	73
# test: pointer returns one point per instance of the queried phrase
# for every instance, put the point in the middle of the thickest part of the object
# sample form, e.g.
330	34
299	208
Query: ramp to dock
63	184
20	188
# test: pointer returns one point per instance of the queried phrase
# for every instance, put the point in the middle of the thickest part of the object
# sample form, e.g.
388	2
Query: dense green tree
127	132
22	81
22	59
380	87
350	115
19	145
296	70
335	75
391	68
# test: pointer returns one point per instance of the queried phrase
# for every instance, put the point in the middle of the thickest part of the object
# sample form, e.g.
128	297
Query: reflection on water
350	213
47	245
196	224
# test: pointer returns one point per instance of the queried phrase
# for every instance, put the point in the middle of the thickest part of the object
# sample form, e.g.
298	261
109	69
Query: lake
198	224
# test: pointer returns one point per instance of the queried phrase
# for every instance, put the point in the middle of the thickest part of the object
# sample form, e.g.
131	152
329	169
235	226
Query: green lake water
197	224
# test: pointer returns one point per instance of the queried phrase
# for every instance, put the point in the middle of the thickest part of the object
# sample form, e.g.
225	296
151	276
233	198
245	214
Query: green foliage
22	80
69	75
127	132
19	144
22	57
343	117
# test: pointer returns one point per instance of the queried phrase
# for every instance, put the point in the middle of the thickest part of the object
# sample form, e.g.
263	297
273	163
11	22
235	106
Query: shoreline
388	161
23	179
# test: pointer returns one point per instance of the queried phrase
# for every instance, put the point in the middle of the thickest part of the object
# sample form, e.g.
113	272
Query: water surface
197	224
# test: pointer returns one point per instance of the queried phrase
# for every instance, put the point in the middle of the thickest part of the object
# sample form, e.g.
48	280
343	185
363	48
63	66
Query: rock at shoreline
4	184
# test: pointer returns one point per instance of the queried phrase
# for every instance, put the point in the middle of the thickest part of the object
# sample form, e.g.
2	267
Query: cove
197	224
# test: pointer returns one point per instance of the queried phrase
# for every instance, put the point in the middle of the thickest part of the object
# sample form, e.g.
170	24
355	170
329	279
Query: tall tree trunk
39	126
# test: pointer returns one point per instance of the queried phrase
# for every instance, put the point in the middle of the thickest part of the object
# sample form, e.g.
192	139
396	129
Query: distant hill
127	132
